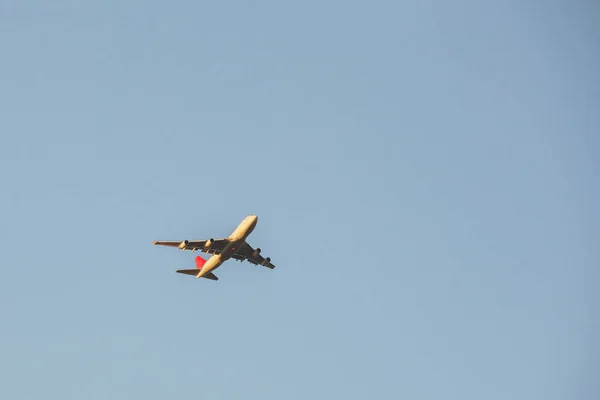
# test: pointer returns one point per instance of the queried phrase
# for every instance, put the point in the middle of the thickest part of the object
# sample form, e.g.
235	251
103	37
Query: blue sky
424	175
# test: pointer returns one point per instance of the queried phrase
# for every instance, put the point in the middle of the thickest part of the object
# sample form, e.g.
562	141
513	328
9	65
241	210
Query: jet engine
209	243
256	252
183	245
267	261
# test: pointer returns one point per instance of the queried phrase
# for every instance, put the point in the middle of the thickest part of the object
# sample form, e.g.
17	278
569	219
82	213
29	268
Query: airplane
234	246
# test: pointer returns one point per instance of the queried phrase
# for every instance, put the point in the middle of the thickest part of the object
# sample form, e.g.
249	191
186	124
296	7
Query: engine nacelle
256	252
267	261
183	245
209	243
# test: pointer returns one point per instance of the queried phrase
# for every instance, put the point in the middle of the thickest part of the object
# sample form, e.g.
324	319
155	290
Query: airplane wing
247	253
210	246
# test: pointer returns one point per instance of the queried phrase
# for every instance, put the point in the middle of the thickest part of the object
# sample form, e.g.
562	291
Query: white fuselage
236	240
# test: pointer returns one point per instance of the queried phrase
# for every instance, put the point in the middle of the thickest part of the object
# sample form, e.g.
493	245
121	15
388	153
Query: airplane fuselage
236	240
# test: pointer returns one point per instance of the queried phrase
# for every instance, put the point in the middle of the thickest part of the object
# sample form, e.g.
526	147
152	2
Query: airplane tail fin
200	262
194	272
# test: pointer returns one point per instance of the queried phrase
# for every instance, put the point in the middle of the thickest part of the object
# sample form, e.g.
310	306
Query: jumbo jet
234	246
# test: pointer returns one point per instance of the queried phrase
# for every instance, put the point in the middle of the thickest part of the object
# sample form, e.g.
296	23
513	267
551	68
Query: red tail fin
200	262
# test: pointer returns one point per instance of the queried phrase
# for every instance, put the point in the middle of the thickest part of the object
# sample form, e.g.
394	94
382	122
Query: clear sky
425	175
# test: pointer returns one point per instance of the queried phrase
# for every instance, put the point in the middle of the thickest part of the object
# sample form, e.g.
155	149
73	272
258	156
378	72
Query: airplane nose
253	220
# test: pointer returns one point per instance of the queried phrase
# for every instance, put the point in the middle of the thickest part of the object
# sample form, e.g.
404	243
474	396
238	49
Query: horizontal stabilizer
195	271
